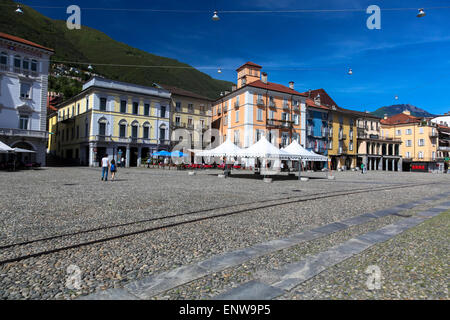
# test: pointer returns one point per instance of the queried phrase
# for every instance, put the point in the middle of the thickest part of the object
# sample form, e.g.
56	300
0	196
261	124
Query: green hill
90	45
399	108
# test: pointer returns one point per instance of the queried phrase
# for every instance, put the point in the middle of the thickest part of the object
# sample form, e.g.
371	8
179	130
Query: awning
226	149
20	150
296	149
4	148
264	149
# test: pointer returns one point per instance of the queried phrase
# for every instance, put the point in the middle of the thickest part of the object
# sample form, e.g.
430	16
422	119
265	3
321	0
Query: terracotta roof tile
400	118
274	87
249	64
17	39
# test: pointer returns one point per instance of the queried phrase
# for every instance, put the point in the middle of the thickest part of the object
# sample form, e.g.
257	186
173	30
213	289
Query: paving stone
330	228
252	290
111	294
358	220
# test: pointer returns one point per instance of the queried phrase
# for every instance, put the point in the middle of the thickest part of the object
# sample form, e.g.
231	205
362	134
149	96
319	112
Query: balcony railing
164	142
101	138
443	148
190	126
342	136
279	123
236	104
23	133
179	125
285	105
260	102
272	104
434	134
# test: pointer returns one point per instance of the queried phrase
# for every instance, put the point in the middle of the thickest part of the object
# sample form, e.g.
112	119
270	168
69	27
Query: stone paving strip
290	276
148	287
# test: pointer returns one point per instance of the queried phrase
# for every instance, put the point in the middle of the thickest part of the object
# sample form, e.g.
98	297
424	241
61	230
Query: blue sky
408	57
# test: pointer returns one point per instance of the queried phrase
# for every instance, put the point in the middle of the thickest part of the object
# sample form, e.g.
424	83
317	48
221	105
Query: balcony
179	125
342	136
434	134
190	126
236	104
23	133
280	124
102	138
260	103
164	142
285	105
272	104
444	149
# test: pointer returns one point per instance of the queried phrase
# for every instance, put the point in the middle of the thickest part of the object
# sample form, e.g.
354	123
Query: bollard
304	179
192	173
331	178
222	176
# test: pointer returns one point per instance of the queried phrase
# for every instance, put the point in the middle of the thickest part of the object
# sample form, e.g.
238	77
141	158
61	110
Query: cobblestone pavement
42	203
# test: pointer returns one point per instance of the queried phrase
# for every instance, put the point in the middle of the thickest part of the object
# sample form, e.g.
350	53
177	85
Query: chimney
291	85
264	77
309	93
385	116
407	112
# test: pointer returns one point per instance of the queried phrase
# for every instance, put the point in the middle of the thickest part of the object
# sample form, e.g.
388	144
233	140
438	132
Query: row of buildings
131	121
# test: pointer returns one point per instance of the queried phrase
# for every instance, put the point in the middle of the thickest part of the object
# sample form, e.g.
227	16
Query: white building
23	95
442	120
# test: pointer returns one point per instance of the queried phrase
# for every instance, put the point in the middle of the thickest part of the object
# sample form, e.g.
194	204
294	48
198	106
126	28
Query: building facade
23	96
419	137
377	151
257	108
192	113
114	118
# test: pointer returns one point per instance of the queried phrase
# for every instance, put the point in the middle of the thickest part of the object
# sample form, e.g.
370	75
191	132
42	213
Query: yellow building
122	120
190	117
419	140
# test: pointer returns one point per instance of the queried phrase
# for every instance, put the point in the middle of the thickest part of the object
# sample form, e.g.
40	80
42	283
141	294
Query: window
237	116
4	59
163	111
87	103
421	142
350	146
225	122
408	155
284	116
26	64
420	155
177	120
78	109
236	137
296	119
259	134
73	111
122	130
408	143
23	122
25	90
34	65
134	131
146	131
123	106
398	132
135	107
259	115
271	114
103	104
146	109
17	62
102	129
178	106
408	131
433	155
190	123
202	123
190	108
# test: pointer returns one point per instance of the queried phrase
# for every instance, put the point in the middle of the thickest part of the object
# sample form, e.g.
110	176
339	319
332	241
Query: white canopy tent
226	149
264	149
296	149
4	148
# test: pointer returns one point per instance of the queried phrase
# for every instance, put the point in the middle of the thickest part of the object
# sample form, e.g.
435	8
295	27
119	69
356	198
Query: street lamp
19	10
350	71
421	13
219	70
215	17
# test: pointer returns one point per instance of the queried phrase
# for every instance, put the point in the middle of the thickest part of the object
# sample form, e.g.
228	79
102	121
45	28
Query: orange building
257	108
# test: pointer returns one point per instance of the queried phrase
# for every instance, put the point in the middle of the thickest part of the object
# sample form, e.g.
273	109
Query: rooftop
23	41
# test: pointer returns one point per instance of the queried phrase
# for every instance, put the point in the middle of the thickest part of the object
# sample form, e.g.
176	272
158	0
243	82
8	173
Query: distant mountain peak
399	108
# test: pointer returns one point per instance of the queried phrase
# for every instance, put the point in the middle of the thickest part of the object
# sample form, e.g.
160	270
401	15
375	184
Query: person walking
105	167
362	168
113	169
122	162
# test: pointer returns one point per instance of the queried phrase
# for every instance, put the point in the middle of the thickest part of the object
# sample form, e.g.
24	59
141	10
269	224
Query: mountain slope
90	45
399	108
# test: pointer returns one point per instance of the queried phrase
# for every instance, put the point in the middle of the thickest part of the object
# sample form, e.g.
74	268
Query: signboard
419	167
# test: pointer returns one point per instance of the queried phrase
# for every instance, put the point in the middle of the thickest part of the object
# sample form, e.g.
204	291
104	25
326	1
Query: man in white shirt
105	167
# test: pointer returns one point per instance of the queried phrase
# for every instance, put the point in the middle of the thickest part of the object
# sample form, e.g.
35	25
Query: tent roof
5	148
296	149
20	150
226	149
264	149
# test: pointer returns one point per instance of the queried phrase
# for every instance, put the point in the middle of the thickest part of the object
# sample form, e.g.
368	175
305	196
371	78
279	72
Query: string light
215	17
350	71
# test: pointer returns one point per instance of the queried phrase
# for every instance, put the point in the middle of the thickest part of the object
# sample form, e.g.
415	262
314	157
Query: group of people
108	166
